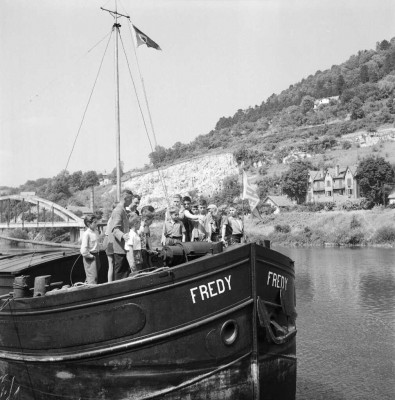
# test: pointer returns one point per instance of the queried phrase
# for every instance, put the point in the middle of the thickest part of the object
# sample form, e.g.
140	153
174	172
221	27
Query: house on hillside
333	184
325	100
279	203
391	198
105	179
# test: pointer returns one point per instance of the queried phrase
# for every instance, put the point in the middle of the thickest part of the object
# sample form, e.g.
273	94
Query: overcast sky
218	56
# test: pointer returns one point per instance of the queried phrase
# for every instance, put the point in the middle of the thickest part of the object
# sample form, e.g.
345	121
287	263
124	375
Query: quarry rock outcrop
202	175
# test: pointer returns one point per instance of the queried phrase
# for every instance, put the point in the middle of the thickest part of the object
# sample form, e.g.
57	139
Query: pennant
250	194
142	38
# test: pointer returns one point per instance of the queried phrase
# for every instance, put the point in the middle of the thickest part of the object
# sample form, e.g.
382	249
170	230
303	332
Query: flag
250	194
142	38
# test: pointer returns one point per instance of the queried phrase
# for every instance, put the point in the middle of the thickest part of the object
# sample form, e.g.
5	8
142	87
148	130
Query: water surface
346	313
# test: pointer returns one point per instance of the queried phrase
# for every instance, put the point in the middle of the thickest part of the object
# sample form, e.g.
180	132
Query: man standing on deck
119	229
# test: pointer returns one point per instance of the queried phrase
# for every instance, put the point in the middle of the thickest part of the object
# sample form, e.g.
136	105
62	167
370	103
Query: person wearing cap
176	201
174	230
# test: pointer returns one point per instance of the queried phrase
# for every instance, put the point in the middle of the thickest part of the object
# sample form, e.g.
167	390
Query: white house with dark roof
391	198
332	184
278	202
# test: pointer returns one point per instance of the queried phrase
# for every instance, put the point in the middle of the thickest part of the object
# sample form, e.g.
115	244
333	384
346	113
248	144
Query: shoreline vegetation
374	227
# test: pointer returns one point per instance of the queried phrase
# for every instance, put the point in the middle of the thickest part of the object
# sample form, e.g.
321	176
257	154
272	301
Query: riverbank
326	228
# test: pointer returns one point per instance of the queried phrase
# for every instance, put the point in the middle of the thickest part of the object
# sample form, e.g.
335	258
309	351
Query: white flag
249	193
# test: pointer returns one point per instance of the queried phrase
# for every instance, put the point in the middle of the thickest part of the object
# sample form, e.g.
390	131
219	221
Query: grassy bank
326	228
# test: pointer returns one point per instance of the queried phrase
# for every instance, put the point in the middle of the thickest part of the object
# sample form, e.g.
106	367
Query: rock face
204	175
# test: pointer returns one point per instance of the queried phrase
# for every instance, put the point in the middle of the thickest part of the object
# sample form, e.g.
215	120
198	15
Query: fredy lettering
277	280
211	289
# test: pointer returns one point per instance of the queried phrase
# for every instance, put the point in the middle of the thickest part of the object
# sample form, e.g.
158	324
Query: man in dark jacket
119	229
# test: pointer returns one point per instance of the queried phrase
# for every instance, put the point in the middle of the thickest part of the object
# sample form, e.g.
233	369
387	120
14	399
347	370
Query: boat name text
211	289
278	280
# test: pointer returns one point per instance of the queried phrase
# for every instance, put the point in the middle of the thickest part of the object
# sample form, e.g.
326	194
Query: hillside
313	116
334	117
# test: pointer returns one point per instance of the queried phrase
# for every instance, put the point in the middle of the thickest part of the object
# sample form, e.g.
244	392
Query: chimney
337	170
322	172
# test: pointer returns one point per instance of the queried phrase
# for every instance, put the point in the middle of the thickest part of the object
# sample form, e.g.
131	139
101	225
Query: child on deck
232	227
202	231
147	217
133	245
90	249
174	230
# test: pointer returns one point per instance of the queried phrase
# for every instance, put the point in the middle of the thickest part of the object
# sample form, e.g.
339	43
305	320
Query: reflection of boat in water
205	322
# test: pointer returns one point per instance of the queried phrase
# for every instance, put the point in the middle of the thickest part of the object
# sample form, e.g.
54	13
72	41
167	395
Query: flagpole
242	201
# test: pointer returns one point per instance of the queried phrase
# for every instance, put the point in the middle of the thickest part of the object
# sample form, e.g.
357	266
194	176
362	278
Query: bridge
27	211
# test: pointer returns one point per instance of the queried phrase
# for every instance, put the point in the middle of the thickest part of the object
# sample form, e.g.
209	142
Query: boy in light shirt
133	246
90	249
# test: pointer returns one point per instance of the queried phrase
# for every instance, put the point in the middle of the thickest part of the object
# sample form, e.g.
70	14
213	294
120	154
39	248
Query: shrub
282	228
385	234
355	223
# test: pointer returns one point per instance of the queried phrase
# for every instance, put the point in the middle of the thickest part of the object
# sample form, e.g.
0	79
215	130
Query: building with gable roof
278	202
333	184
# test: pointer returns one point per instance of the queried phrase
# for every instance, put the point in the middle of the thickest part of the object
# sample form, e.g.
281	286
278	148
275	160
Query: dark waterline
345	303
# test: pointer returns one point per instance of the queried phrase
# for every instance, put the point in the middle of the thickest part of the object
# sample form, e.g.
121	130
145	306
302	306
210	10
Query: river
346	313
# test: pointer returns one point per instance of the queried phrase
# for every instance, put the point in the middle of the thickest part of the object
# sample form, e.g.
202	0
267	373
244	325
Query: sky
217	56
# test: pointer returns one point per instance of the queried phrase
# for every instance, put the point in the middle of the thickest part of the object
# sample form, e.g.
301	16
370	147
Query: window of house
350	191
328	183
349	182
329	193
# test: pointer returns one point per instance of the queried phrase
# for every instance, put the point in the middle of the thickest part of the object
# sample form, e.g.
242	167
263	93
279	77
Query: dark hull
201	330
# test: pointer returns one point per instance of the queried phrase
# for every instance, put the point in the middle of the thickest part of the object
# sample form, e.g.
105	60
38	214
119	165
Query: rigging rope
144	122
90	97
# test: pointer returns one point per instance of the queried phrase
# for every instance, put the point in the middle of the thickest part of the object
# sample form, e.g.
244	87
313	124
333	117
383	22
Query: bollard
21	286
41	284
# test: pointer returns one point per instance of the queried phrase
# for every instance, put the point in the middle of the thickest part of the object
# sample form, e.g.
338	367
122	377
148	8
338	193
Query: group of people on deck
127	235
188	221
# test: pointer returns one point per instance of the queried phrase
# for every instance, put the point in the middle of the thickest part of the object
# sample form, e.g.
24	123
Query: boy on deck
232	227
90	249
174	230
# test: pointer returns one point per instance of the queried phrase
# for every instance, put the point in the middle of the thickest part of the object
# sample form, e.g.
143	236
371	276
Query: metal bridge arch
68	219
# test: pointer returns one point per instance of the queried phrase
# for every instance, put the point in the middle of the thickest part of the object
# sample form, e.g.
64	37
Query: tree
307	104
90	179
294	181
364	74
356	108
373	173
340	84
76	180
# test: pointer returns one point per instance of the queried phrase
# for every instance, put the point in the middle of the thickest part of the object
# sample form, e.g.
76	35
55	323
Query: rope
71	271
90	97
142	116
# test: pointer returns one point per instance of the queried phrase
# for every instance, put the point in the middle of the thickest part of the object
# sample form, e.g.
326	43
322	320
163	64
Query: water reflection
346	314
377	292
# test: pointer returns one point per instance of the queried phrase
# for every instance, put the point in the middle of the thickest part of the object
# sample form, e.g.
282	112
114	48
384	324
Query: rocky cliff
204	175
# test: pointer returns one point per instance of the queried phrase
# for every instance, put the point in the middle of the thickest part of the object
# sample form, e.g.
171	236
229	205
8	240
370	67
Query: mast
116	27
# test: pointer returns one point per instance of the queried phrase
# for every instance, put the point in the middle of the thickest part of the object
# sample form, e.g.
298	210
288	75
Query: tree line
362	91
